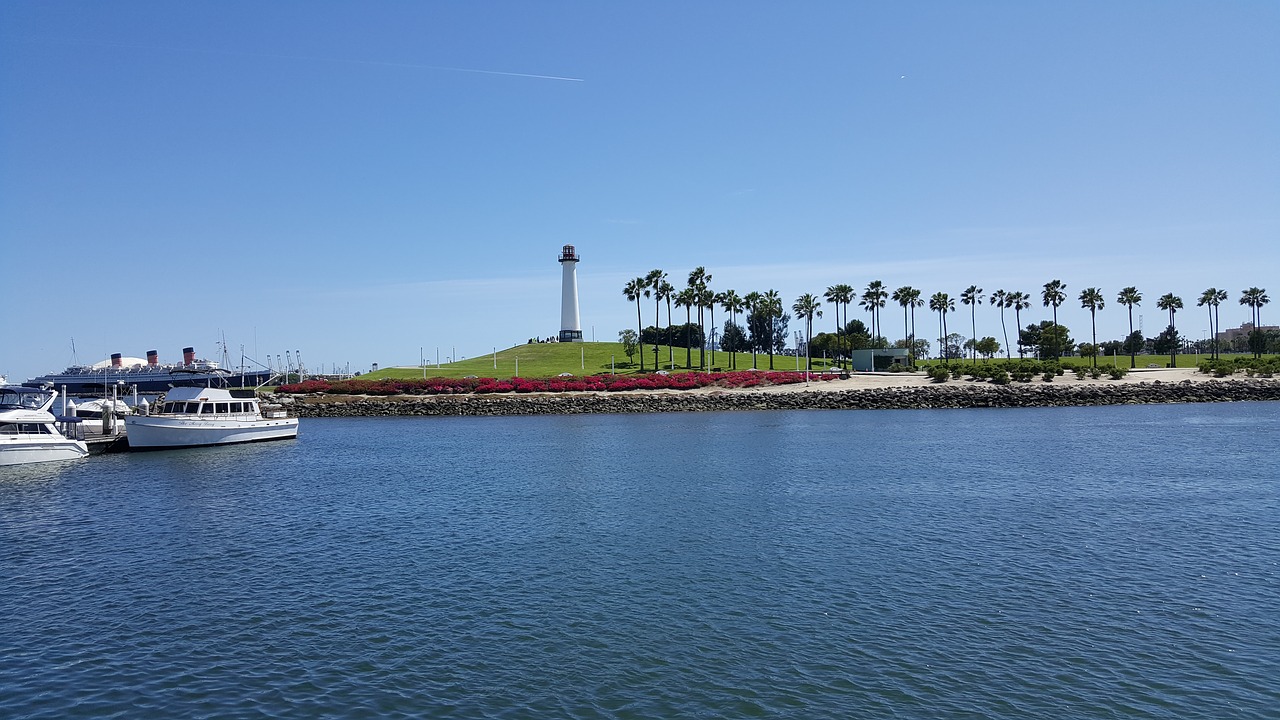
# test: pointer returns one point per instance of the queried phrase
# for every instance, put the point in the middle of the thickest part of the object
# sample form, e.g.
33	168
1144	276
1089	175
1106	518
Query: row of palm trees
874	298
697	294
1054	295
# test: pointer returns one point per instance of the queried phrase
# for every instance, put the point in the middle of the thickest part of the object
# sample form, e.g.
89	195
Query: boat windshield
23	397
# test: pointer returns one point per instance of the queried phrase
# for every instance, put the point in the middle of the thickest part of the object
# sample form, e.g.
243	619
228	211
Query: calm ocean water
1087	562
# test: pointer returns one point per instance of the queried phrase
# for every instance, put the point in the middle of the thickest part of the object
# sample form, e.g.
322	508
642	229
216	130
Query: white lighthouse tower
570	325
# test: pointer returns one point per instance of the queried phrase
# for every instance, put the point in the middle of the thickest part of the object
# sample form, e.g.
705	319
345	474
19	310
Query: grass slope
551	359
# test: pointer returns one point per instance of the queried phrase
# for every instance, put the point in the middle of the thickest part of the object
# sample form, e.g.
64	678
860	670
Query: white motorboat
195	417
27	430
93	409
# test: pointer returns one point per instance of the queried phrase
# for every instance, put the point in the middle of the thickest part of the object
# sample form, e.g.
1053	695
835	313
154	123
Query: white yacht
194	417
27	430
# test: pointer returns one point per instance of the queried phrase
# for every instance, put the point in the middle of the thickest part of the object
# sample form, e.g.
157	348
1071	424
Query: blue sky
360	180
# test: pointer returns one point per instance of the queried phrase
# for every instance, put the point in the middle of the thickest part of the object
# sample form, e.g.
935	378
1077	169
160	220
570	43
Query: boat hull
15	451
149	432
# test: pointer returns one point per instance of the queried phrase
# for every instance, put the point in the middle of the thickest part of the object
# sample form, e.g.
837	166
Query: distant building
570	324
1242	332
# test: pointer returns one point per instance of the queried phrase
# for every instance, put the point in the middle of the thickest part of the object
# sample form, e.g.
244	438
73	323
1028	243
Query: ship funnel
153	358
116	359
188	355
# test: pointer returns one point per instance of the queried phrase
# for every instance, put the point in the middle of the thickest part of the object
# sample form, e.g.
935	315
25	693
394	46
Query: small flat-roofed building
878	359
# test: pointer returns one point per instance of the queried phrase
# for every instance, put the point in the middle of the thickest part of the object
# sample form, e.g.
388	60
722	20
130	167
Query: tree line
765	315
766	321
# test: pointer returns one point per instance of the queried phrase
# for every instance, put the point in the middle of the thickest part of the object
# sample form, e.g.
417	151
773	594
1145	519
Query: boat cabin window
221	407
23	398
235	407
25	429
206	409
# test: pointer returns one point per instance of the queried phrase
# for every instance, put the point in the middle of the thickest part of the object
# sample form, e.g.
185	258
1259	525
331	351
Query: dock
100	443
90	431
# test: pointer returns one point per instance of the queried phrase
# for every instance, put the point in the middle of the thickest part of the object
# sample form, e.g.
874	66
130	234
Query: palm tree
847	293
732	304
707	301
686	299
909	299
1019	301
1259	299
806	306
972	296
942	304
837	295
1054	295
772	303
875	297
904	296
1130	297
999	299
1173	304
752	302
1211	299
716	299
1255	298
1217	324
654	281
665	292
698	281
634	290
1091	300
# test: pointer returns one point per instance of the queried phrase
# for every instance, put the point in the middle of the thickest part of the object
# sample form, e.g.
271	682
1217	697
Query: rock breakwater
958	395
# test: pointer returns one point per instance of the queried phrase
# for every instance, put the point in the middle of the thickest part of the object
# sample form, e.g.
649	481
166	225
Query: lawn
587	358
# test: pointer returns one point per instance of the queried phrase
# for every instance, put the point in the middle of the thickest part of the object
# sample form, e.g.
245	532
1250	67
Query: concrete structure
570	324
869	360
1243	331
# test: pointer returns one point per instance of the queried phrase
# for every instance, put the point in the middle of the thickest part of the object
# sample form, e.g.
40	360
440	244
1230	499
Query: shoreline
861	392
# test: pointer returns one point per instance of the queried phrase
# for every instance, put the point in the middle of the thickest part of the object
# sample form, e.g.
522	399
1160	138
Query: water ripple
987	564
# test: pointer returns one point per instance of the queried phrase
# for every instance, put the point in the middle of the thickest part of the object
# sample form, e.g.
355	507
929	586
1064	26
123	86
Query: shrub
1117	372
1218	368
999	376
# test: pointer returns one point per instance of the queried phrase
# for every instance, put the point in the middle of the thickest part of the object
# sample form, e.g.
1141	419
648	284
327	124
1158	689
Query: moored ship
149	375
197	417
28	431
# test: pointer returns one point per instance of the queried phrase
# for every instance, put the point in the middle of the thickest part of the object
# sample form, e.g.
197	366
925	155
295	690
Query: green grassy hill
550	359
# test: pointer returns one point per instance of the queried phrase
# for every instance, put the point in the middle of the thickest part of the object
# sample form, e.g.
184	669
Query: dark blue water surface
1084	562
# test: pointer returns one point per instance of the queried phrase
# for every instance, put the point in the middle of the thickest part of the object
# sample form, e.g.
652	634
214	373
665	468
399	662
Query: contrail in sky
275	56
